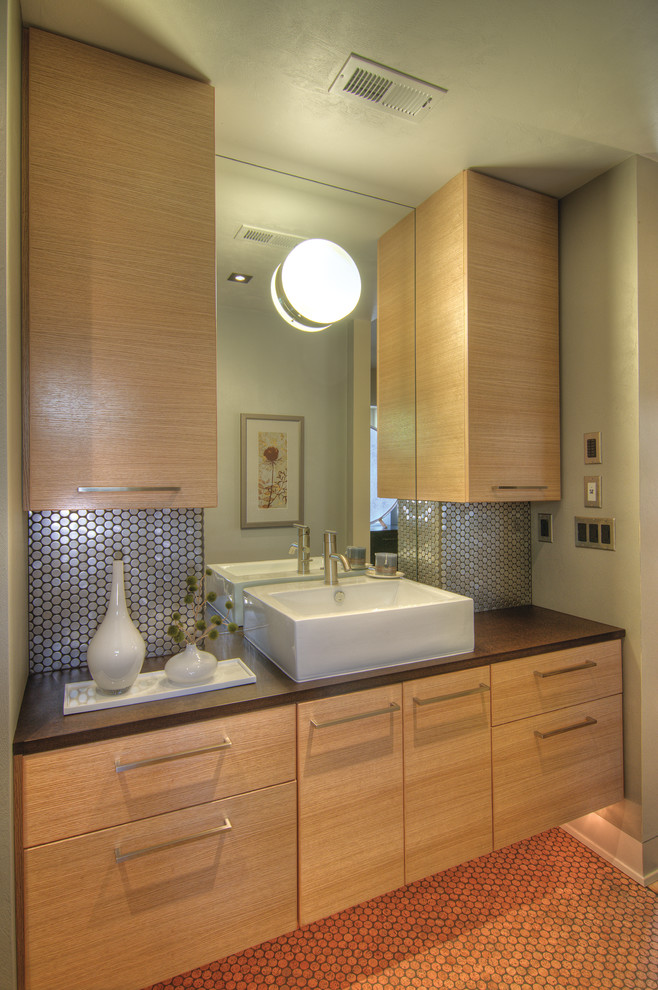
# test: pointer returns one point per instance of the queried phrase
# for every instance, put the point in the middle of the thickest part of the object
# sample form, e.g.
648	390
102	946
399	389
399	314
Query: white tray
84	697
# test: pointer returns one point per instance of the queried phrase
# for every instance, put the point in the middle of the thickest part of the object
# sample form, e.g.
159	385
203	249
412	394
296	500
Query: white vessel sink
315	630
229	580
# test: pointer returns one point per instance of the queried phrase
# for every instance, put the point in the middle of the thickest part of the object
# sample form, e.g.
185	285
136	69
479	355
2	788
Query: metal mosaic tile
479	549
70	557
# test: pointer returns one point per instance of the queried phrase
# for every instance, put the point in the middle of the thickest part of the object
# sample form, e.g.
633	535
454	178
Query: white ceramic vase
116	652
191	666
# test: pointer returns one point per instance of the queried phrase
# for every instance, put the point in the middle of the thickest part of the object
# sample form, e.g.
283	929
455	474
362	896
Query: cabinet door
119	277
127	907
351	845
487	371
554	767
447	771
396	388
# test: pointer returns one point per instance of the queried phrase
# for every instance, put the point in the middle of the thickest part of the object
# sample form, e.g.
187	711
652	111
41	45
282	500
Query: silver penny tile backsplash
70	556
479	549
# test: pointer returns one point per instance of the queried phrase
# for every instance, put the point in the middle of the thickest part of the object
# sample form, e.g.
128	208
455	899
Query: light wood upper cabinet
396	393
486	344
119	276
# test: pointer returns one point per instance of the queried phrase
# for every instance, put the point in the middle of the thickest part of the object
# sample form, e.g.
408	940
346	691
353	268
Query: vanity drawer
555	767
547	681
75	790
208	881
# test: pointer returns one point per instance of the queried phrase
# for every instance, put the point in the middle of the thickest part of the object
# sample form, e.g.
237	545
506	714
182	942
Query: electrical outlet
545	527
597	534
592	491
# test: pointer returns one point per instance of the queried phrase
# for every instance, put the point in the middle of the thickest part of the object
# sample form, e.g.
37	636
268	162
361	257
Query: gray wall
609	382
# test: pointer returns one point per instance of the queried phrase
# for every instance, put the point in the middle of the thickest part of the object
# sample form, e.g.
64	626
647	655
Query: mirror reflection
267	367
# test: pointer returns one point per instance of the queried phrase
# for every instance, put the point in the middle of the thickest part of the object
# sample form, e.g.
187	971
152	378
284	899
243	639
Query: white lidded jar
116	652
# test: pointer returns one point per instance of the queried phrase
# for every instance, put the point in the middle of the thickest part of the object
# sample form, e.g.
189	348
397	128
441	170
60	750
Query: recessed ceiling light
239	277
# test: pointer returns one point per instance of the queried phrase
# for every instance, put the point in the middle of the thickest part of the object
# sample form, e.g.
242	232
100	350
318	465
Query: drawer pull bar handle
123	857
393	707
566	670
449	697
567	728
82	489
519	488
120	767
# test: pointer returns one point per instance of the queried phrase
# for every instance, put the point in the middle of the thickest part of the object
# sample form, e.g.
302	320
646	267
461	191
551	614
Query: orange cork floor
545	912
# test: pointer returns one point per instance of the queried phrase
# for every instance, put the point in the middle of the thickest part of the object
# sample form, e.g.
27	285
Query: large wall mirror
267	367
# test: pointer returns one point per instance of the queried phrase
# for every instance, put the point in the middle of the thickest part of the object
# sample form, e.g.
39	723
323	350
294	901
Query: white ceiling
545	94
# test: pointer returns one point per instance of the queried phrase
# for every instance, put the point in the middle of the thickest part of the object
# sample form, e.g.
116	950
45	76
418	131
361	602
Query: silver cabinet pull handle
519	488
120	767
128	488
393	707
567	728
122	857
566	670
449	697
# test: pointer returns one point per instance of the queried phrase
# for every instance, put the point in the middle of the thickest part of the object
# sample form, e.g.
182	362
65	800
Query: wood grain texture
513	374
75	790
351	843
517	690
442	345
487	347
120	277
95	925
539	783
396	398
447	772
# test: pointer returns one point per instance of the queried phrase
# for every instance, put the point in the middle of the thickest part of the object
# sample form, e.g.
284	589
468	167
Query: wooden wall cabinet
119	281
486	344
447	771
119	889
351	831
556	738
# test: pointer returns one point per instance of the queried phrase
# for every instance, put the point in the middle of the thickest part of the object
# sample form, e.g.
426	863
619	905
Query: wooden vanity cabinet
119	282
447	771
486	372
351	830
556	738
119	906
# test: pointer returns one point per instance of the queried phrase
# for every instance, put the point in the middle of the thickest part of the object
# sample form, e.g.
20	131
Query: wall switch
598	534
545	527
592	448
592	491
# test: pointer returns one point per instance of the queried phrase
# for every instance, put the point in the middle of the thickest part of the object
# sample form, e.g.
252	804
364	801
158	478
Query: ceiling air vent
385	88
260	235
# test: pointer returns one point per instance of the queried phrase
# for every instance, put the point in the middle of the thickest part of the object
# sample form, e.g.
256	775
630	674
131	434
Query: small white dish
371	572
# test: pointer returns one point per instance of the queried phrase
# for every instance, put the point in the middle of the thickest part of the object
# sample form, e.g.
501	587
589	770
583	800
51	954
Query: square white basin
315	630
230	580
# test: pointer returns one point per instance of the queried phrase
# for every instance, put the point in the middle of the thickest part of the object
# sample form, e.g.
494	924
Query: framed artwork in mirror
271	470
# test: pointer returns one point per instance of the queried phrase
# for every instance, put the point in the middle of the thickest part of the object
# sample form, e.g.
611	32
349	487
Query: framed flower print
272	470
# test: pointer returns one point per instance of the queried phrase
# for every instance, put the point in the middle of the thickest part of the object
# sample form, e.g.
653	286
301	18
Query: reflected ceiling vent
260	235
385	88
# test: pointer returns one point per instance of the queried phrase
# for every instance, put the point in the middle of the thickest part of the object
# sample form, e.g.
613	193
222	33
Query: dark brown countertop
500	635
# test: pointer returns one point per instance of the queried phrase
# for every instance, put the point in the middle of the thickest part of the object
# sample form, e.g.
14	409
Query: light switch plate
592	491
545	527
592	445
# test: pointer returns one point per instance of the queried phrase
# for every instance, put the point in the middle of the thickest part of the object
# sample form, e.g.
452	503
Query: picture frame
271	470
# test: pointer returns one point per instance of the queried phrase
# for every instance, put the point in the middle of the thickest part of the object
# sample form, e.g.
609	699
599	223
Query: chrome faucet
303	548
331	558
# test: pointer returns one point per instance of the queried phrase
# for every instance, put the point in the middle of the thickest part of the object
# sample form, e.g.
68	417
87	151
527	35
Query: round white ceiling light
317	285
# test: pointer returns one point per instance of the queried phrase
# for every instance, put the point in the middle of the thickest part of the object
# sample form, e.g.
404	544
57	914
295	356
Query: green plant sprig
197	628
